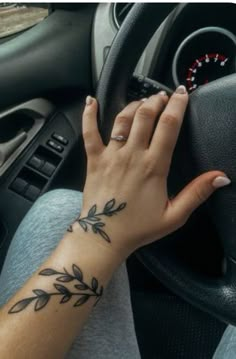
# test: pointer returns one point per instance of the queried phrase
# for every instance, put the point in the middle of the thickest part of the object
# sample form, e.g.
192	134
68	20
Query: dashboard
196	44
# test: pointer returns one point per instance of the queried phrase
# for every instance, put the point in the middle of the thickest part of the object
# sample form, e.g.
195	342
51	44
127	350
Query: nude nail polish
181	90
221	181
89	100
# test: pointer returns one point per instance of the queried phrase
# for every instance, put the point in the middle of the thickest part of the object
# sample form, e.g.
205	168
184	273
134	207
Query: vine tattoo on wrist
94	221
83	291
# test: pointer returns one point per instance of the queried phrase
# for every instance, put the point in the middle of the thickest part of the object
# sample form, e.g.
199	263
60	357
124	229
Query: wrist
100	256
106	222
110	239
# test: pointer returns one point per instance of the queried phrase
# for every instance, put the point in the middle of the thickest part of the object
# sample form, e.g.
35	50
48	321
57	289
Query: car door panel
48	67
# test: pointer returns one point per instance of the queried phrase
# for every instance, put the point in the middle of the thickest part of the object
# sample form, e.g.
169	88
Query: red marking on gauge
196	66
222	57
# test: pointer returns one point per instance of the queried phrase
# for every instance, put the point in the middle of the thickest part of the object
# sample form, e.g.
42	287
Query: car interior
183	286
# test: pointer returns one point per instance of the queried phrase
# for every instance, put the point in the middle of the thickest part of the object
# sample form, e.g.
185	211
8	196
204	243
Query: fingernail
181	90
89	100
221	181
162	93
144	99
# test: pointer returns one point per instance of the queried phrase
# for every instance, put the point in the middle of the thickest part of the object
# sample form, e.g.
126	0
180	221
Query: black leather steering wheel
210	126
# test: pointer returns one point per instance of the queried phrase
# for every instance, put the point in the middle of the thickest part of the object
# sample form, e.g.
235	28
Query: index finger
167	131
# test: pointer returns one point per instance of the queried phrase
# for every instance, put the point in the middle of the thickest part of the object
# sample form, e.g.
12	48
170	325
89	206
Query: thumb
194	194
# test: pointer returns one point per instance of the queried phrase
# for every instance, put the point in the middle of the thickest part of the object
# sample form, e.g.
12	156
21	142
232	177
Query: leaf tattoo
83	291
21	305
77	272
82	300
92	211
48	271
41	301
94	221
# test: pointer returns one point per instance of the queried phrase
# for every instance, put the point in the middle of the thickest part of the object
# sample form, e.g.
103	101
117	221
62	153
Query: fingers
166	133
136	122
144	120
92	139
194	194
123	123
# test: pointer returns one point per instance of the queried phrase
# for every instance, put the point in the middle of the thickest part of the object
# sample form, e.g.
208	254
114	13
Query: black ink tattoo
83	291
94	221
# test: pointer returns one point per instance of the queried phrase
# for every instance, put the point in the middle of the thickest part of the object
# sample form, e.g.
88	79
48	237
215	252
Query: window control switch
60	138
48	169
36	162
32	193
55	146
19	185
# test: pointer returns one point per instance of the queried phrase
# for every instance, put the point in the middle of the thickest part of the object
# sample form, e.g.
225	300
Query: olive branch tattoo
83	291
94	221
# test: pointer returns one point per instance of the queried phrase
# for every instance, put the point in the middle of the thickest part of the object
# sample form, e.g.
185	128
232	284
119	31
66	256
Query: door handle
39	110
7	148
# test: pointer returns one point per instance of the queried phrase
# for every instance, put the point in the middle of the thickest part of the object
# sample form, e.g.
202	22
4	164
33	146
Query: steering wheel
211	131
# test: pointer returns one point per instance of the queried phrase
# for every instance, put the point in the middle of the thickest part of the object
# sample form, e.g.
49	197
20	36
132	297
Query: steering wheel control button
55	146
32	193
19	185
141	86
48	169
36	162
60	138
147	85
139	78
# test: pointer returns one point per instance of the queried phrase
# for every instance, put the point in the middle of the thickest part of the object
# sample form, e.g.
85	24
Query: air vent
120	11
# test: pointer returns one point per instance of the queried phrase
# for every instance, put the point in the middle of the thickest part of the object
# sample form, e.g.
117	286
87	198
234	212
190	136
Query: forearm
48	324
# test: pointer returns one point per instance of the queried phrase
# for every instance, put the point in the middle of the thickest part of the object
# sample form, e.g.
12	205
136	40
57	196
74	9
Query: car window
16	17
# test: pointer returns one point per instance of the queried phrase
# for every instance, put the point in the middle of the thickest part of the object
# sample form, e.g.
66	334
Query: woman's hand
125	206
133	174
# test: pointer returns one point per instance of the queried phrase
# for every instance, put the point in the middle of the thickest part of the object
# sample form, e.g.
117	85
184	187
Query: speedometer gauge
204	56
206	69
